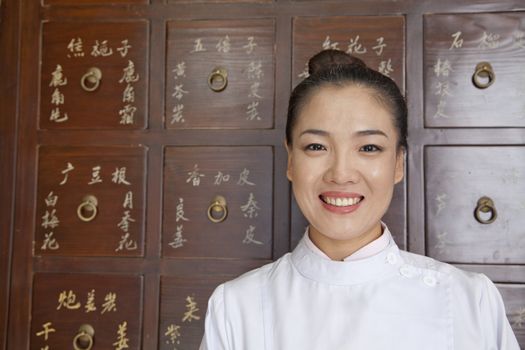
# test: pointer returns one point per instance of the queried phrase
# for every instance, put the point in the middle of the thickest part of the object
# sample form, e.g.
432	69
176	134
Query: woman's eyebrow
315	132
370	132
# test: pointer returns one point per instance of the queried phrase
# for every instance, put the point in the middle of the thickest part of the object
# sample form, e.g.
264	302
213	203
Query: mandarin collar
315	267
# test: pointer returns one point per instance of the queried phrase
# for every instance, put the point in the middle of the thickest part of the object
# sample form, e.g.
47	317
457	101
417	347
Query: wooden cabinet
148	142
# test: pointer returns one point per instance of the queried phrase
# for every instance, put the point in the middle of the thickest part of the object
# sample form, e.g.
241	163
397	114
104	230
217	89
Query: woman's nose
342	169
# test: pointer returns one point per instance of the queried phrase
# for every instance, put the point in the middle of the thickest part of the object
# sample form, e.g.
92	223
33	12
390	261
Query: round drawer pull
87	210
91	80
84	338
218	79
483	76
218	209
485	205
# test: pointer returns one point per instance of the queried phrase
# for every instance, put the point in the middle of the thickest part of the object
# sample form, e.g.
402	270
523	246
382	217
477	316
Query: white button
429	281
407	271
391	258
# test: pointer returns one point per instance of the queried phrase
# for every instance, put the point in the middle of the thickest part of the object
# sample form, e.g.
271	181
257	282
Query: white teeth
341	202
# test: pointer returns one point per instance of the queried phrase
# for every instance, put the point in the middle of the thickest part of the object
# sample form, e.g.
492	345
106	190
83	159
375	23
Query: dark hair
336	68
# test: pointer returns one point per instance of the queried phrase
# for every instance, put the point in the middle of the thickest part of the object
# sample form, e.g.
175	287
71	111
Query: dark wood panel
473	70
91	205
91	2
94	75
193	178
9	62
459	227
220	74
110	304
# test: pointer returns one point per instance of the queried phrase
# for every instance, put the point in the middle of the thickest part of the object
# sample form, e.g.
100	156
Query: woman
347	285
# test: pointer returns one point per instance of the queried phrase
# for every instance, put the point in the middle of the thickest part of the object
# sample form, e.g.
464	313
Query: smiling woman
347	285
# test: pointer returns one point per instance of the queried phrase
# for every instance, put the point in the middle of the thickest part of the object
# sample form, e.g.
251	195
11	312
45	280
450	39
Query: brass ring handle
218	210
218	79
483	76
91	80
89	204
485	205
84	338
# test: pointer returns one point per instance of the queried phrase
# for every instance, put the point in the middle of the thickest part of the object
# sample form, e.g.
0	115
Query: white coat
391	300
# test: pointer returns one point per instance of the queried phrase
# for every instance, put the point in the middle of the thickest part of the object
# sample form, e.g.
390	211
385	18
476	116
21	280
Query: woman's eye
315	147
370	148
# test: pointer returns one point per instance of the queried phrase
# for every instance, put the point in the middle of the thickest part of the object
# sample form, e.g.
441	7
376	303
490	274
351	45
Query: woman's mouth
341	201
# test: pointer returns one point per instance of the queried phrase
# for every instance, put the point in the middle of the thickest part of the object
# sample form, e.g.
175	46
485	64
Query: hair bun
327	59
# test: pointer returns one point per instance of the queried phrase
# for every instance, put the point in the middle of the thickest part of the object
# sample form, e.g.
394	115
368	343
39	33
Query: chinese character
75	47
179	92
122	340
243	178
355	46
250	208
178	240
179	215
90	303
329	45
385	67
119	176
250	234
251	111
57	98
129	94
56	117
49	242
442	68
68	300
51	199
50	219
198	47
255	70
180	70
124	48
380	46
128	200
95	175
57	78
519	319
45	332
195	176
65	172
254	90
129	74
440	112
458	42
191	309
173	332
220	177
126	242
224	45
101	49
304	74
124	222
127	114
250	46
110	303
519	39
177	116
442	89
441	203
489	41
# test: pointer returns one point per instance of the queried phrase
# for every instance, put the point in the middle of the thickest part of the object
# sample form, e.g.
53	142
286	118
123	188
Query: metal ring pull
84	338
89	205
485	205
218	209
218	79
91	80
483	76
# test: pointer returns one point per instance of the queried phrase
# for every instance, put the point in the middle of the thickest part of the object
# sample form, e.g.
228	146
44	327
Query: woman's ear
289	166
399	171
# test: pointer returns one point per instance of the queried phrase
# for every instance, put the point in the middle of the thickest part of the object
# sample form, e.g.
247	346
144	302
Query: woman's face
344	163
